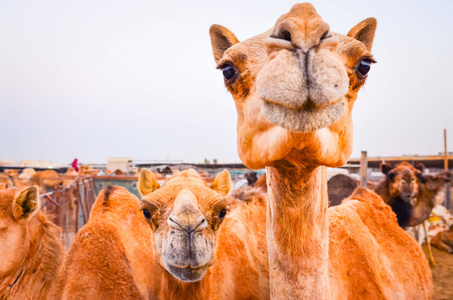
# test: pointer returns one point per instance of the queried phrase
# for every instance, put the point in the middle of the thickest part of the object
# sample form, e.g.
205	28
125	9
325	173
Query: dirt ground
442	274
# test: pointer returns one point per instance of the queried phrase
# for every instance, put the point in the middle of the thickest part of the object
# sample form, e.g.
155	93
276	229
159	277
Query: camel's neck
298	233
172	288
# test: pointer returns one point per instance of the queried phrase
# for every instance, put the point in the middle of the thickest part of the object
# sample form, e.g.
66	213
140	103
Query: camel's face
185	214
16	209
404	181
295	87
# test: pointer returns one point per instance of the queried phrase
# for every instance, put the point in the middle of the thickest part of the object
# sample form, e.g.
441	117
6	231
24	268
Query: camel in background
30	246
294	88
208	245
400	189
46	180
340	187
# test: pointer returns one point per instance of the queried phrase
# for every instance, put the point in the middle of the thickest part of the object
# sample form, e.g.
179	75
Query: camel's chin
303	120
187	274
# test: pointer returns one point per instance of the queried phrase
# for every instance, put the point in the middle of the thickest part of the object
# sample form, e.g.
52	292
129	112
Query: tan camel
45	180
30	246
110	257
208	245
294	88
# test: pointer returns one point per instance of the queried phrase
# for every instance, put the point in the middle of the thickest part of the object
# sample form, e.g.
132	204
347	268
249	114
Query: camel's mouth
187	274
306	119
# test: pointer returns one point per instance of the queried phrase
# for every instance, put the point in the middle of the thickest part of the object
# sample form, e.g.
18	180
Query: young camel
294	88
30	246
208	245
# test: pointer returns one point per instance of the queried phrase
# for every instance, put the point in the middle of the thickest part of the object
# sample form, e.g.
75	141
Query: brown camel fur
444	240
110	257
6	181
294	88
427	196
209	245
400	189
30	246
340	187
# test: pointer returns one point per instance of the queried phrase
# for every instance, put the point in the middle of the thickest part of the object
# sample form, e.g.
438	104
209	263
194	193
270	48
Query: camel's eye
222	213
228	72
364	67
147	214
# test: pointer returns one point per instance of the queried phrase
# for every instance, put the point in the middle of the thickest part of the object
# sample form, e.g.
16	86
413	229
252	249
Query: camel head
185	215
17	207
404	181
294	87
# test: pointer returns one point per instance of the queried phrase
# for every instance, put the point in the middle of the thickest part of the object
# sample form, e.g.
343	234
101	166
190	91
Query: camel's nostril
325	35
284	35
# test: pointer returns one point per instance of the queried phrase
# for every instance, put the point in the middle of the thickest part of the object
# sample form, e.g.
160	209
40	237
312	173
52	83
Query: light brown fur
237	266
294	118
111	256
30	247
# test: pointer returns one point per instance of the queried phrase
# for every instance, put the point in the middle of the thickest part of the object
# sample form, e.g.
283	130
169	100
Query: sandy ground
442	274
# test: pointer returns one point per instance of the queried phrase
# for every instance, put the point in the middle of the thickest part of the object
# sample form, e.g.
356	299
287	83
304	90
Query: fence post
448	185
363	169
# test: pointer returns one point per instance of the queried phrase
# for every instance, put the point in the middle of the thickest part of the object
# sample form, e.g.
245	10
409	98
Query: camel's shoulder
364	232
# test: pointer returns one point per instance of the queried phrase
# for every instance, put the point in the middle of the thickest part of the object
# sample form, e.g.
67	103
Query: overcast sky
95	79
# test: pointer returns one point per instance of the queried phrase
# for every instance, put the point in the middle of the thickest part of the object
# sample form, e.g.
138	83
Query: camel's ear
222	183
147	183
385	168
26	203
221	39
420	167
364	32
2	186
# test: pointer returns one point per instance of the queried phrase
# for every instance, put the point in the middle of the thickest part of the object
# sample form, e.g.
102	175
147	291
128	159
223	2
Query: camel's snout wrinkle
303	82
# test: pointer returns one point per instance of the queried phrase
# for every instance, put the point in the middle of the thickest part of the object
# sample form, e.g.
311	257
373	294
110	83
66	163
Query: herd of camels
294	87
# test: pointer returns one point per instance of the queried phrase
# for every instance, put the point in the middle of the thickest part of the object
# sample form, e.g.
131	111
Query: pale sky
95	79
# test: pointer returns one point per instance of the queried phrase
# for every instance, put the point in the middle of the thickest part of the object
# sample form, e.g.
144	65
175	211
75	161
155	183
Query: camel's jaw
187	274
302	120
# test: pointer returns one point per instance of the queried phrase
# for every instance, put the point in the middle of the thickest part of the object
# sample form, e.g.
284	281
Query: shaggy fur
111	256
35	276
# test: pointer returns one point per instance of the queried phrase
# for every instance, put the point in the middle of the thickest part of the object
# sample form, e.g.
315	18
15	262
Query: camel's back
371	257
111	256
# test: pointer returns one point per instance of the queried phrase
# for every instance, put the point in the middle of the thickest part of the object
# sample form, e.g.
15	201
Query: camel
400	189
208	245
46	180
110	256
87	171
426	201
340	187
444	240
6	181
30	246
294	87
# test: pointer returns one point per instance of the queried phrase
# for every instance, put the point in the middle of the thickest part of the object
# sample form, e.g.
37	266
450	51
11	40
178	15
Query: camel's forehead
404	170
254	50
193	183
